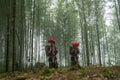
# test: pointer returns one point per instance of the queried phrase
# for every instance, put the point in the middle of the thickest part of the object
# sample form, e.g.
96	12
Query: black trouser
74	60
53	62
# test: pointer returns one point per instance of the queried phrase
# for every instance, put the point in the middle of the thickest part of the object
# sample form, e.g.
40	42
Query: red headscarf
51	40
75	44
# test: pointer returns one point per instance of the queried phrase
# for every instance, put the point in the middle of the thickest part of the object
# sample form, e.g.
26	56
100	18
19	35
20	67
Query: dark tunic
51	52
74	51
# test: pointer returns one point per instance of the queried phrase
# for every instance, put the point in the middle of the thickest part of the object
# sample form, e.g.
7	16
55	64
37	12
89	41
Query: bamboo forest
90	26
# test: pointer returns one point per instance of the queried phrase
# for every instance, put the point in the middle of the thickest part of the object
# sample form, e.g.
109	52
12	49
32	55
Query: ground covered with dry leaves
71	73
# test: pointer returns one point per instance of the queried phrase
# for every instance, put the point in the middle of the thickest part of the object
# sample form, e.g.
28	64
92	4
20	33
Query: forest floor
86	73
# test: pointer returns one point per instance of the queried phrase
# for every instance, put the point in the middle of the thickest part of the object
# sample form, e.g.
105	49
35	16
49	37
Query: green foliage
9	74
64	70
106	72
112	72
83	71
48	72
4	75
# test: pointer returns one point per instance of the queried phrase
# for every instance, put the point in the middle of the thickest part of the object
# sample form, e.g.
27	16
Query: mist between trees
25	26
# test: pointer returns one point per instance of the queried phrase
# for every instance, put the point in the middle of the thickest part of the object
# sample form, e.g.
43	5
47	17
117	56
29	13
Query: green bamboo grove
25	26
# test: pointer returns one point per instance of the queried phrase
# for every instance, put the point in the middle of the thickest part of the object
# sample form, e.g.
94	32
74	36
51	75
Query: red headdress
75	44
51	40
